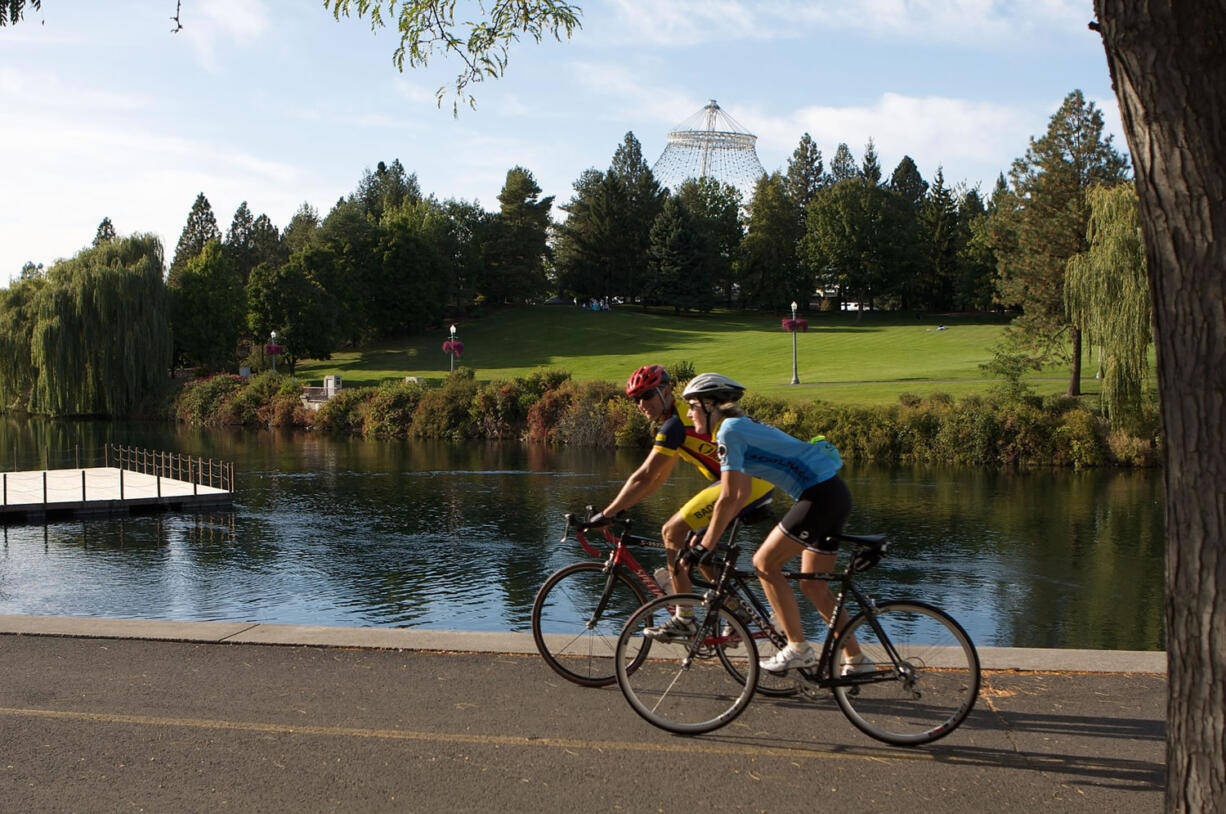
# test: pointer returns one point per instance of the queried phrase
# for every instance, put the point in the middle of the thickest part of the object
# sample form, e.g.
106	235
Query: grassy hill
840	359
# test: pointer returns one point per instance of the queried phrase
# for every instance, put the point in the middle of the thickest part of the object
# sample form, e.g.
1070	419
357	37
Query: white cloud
213	23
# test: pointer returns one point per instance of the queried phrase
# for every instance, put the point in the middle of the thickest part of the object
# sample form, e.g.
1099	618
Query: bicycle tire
934	690
576	646
683	696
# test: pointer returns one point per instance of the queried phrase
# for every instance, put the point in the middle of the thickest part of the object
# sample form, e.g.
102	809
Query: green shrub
546	413
444	413
343	414
499	408
202	402
590	419
1080	440
388	410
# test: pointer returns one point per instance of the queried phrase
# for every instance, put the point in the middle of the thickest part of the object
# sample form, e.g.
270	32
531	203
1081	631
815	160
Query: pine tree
239	245
515	255
908	183
1042	222
937	220
105	233
843	165
642	201
302	229
201	227
675	262
714	212
805	175
870	169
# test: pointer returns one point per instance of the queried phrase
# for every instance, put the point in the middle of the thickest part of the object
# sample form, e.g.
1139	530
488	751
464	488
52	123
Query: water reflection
353	532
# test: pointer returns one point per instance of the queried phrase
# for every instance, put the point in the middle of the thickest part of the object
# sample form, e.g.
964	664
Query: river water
459	536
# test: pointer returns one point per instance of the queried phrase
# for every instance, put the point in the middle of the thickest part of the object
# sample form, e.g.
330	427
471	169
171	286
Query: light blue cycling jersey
757	449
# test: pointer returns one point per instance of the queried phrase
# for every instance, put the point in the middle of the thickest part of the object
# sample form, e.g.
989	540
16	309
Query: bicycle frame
733	582
620	553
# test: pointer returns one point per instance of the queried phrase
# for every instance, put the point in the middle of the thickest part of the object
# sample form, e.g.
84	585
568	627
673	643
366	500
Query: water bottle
665	578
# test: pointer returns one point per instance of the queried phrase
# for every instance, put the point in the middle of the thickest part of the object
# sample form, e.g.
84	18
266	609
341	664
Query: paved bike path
108	715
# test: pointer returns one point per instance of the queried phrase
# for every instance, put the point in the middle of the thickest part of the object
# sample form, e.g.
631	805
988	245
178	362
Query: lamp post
452	354
795	378
272	340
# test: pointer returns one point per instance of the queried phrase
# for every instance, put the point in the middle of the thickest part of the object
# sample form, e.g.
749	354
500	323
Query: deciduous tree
1107	296
770	272
1166	65
100	333
208	310
481	39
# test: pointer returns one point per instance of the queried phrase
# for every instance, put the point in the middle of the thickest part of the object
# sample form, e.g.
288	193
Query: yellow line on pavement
689	747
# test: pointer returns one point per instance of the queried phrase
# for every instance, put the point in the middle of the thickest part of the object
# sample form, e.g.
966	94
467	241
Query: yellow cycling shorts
697	510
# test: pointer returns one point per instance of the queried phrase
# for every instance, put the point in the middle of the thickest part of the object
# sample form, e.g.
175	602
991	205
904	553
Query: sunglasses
639	399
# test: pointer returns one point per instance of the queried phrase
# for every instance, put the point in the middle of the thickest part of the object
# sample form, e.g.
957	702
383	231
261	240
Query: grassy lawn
840	358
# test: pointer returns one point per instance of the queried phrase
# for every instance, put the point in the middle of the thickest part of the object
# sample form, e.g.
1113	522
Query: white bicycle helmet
714	386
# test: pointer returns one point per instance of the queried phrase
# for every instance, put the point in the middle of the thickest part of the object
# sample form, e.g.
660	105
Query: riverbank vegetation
549	406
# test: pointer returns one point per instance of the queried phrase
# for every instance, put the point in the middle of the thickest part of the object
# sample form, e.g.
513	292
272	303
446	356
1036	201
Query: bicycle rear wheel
575	633
928	692
683	685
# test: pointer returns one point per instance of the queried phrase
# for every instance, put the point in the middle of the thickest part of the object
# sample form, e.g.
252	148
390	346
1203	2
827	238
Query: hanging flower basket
274	350
791	325
802	325
453	346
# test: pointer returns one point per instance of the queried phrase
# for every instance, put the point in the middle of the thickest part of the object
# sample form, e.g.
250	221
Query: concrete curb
992	658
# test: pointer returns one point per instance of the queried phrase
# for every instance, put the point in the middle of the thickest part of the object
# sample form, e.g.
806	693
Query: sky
104	112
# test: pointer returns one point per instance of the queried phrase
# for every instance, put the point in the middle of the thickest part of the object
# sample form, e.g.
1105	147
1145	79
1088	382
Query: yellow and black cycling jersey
677	436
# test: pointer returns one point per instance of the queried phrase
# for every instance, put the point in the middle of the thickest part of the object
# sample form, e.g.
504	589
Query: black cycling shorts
819	513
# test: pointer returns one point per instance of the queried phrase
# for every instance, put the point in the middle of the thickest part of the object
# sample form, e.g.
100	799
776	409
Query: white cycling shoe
789	658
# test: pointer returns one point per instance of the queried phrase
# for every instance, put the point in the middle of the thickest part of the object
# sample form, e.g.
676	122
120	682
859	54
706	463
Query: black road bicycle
921	681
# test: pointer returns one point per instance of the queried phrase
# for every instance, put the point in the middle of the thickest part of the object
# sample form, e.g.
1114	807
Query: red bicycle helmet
646	378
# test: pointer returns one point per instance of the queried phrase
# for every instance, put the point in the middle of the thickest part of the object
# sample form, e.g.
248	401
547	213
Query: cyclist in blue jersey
748	449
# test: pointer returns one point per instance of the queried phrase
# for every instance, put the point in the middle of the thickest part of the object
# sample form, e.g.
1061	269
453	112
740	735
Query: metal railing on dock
130	478
191	469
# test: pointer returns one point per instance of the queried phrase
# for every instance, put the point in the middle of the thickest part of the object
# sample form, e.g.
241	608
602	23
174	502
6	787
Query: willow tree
1106	293
17	371
100	335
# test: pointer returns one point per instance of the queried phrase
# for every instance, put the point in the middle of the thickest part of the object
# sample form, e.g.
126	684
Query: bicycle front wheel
927	691
577	616
682	685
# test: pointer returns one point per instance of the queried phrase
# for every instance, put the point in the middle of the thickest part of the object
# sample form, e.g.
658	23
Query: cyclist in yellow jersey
651	388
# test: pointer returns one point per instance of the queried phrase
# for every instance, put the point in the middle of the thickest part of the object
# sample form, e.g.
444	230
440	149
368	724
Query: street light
452	354
795	378
272	340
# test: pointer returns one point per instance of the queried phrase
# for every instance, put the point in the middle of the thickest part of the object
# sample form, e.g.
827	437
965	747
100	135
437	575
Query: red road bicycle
579	611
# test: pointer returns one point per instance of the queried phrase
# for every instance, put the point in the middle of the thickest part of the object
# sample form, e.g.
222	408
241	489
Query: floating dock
142	481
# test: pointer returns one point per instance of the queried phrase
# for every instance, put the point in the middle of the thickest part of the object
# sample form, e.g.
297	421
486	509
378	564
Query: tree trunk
1074	380
1167	66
